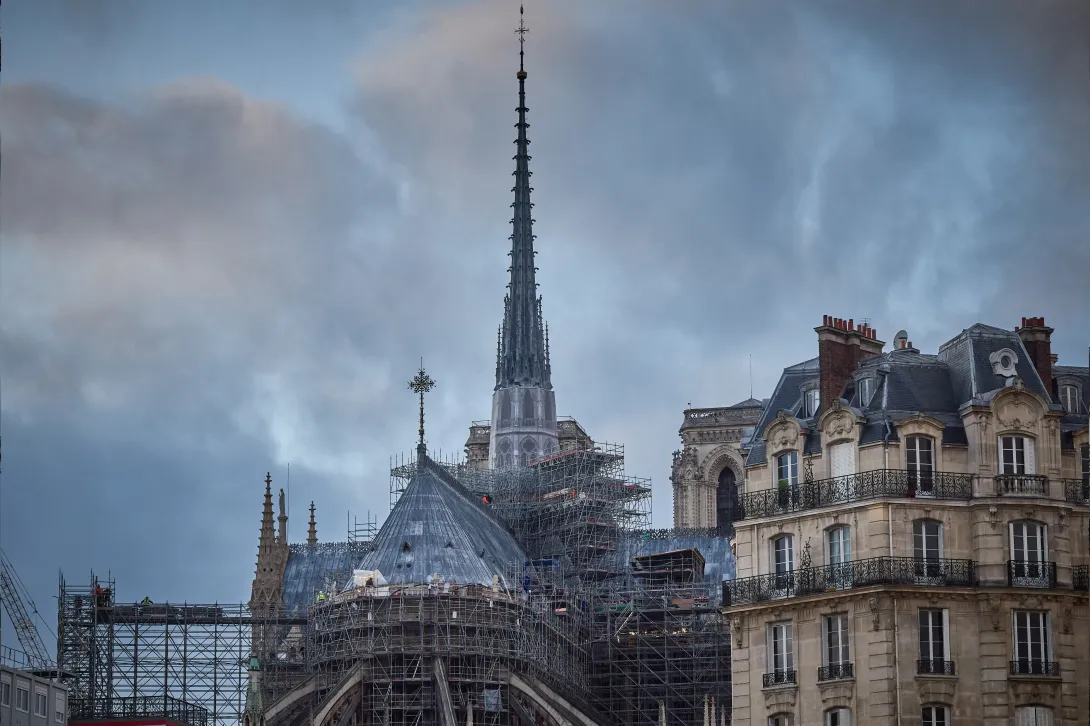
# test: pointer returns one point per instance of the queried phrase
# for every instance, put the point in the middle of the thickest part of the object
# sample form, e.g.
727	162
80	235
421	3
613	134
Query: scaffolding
659	648
476	636
114	656
573	506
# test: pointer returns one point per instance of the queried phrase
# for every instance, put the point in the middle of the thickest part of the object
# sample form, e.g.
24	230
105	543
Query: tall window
1016	455
838	717
1031	645
1029	555
22	698
5	692
920	462
934	625
811	401
783	564
935	715
1069	397
781	660
1033	716
866	390
1085	470
726	494
787	468
41	703
927	547
838	556
835	636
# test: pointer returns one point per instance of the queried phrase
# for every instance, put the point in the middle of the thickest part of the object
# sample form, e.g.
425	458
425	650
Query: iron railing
1033	485
1077	491
1031	574
137	707
835	671
860	573
780	678
1035	668
1080	577
935	667
875	484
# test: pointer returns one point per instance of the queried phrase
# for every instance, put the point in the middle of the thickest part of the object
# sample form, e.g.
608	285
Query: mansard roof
439	528
908	382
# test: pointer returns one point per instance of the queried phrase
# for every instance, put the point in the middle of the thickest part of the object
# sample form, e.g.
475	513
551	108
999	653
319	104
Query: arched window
838	717
1033	716
935	715
726	495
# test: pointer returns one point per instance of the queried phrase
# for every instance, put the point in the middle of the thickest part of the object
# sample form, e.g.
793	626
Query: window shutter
946	635
1031	455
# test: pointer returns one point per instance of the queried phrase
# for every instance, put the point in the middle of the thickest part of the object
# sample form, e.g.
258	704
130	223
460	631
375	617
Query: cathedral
522	585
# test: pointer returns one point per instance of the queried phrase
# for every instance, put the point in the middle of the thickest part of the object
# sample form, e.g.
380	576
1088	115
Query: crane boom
12	594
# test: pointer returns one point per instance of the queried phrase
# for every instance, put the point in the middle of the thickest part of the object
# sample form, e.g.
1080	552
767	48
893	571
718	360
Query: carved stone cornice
781	698
711	436
836	694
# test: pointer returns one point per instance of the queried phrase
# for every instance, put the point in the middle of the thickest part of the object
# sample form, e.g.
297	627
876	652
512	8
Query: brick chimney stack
1038	341
841	345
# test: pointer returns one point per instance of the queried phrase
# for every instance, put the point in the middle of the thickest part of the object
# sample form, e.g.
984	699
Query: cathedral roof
439	528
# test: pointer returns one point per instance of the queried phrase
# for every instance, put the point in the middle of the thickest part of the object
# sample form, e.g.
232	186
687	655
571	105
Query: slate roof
438	528
908	382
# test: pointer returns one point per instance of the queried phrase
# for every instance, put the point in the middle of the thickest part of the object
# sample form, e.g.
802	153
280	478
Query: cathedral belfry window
726	497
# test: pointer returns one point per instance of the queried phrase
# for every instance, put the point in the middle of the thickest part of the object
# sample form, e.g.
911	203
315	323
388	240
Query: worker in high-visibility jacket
321	596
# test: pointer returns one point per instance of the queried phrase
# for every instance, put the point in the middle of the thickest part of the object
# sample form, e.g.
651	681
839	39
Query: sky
230	231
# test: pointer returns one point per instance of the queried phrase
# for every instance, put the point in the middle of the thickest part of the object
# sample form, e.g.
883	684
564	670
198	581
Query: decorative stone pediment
781	698
838	423
920	425
836	694
1035	692
1017	410
936	689
783	433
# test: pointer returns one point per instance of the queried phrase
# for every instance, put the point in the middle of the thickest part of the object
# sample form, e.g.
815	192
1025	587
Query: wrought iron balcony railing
935	667
860	573
1080	578
1026	485
1035	668
874	484
1077	491
780	678
1031	574
835	672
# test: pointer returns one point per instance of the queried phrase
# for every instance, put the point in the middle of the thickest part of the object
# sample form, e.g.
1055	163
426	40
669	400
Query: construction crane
14	596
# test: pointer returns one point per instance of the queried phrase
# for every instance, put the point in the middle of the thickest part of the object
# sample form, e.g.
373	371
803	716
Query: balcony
1048	669
780	678
933	667
875	484
1021	485
860	573
835	672
1077	491
1031	574
1080	578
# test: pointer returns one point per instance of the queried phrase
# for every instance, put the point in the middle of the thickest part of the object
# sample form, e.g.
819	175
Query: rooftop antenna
421	384
522	30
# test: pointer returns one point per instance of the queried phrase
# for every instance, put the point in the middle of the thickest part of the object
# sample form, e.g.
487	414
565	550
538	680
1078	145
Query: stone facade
570	435
710	462
875	589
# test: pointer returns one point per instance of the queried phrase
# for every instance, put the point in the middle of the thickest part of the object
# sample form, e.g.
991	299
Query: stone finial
312	532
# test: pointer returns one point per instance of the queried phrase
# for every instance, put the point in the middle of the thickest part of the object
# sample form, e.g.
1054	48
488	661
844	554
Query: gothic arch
721	458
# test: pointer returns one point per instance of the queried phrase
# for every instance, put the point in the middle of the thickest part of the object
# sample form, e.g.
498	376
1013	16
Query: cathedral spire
267	541
521	358
312	533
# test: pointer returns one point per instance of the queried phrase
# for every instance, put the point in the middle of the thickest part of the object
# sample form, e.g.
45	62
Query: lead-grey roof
908	382
318	567
438	528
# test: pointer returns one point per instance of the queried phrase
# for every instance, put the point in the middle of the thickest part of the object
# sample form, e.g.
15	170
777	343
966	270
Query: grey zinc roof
748	403
967	356
787	396
312	568
438	528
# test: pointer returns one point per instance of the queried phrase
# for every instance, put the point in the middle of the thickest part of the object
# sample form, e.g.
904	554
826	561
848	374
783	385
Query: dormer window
1069	397
810	402
1004	362
866	390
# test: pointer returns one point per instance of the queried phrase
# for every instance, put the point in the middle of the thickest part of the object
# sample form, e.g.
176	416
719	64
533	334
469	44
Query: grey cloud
206	286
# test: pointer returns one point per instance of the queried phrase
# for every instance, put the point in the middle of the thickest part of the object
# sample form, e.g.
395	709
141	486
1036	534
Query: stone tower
523	423
272	555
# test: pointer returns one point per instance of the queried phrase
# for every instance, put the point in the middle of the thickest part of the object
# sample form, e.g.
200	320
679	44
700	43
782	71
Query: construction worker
146	601
100	597
79	606
321	596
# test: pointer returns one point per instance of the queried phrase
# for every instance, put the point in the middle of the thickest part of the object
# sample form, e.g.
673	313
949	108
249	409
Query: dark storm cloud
200	286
